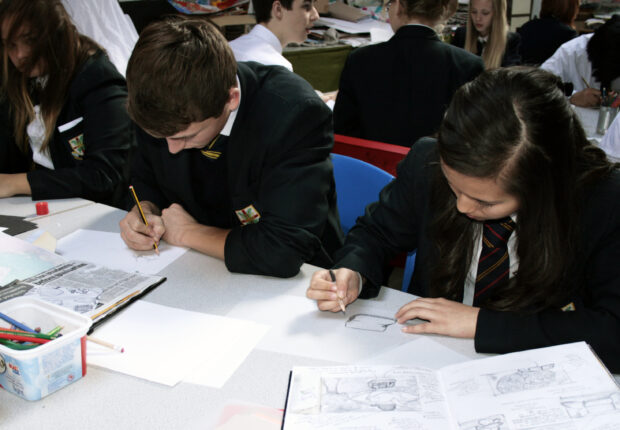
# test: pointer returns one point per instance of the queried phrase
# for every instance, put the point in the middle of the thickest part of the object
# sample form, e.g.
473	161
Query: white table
25	207
109	400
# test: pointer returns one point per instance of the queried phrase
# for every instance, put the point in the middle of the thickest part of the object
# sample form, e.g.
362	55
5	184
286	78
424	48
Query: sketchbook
559	387
86	288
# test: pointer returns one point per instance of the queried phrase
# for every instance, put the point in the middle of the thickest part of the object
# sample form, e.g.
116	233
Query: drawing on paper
529	378
78	299
369	322
492	422
369	394
593	404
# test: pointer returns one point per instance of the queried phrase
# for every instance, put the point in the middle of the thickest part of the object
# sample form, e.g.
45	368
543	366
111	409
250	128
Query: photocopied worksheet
562	387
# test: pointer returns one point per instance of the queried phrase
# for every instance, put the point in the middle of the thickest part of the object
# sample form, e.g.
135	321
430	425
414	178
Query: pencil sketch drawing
369	322
593	404
492	422
529	378
369	394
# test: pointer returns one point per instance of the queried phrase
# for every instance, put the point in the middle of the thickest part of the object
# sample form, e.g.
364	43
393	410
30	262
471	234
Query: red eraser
42	208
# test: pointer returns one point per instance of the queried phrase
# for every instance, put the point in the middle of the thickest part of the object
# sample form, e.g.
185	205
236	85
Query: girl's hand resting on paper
444	317
136	234
326	293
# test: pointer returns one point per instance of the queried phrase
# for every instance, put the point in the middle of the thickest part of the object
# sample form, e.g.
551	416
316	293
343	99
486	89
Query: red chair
383	155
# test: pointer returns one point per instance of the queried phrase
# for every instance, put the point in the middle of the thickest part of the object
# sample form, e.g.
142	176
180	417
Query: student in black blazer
234	158
397	91
509	149
541	37
486	34
64	128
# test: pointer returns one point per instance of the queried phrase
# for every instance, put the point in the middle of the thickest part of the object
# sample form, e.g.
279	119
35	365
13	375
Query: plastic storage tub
35	373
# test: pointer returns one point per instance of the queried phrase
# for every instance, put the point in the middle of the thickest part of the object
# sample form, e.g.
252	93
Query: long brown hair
514	125
564	10
498	35
57	45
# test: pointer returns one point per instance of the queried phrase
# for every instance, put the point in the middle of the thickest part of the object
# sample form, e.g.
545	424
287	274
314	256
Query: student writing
516	220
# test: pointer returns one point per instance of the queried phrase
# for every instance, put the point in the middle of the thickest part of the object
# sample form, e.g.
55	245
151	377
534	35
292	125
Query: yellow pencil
585	82
340	301
135	197
112	306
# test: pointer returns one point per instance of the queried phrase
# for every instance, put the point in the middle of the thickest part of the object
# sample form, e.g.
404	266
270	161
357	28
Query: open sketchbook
87	288
560	387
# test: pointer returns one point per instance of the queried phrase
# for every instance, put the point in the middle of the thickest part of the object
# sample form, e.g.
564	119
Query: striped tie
494	263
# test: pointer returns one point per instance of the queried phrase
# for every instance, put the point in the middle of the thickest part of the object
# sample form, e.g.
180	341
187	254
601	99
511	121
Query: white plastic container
35	373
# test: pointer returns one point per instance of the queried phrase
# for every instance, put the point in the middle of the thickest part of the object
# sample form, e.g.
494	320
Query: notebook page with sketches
166	345
561	387
108	249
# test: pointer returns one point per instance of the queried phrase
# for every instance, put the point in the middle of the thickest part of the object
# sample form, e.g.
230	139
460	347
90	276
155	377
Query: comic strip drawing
492	422
369	322
363	394
594	404
529	378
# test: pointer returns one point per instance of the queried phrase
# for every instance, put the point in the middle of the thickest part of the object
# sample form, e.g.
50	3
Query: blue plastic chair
408	272
357	184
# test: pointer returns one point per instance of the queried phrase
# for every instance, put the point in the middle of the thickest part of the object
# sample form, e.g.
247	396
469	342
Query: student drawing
515	217
594	404
530	378
493	422
369	322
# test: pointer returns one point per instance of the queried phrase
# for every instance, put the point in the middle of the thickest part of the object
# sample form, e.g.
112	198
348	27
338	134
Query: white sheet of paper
421	351
362	26
109	250
165	345
299	328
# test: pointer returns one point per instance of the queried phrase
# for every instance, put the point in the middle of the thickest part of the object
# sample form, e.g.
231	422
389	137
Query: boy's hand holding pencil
143	226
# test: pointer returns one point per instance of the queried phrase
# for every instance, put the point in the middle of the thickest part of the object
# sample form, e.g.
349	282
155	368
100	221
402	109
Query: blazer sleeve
459	37
293	196
596	315
512	56
392	224
347	110
108	140
12	160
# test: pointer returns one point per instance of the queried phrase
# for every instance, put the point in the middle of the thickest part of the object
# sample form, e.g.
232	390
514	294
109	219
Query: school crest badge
248	215
77	146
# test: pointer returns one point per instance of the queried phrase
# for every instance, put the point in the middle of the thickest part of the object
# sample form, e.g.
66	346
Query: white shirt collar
233	115
262	32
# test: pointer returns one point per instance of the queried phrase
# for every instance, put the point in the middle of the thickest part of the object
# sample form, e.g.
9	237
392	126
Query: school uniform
541	37
260	45
397	91
611	141
268	176
91	144
400	221
571	63
511	56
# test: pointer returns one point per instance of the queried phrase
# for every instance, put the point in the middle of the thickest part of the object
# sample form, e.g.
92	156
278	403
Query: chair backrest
383	155
357	184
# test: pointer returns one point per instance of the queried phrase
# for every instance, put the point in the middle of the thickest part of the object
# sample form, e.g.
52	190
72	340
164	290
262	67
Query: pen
135	197
340	302
16	323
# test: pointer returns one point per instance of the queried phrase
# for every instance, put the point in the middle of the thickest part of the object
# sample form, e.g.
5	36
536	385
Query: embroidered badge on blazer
248	215
569	307
77	146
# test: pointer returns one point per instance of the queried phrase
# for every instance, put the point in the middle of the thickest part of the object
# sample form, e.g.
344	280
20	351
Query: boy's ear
276	10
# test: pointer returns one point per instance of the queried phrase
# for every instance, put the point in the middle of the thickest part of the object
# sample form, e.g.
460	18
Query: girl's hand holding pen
136	234
328	293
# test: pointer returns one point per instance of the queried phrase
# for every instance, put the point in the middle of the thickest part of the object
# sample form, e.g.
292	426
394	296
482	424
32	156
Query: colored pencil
16	323
106	344
146	223
27	334
10	336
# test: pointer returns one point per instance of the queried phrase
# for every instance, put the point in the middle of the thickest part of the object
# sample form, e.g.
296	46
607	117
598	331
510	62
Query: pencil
106	344
27	334
146	223
12	336
16	323
585	82
112	306
340	302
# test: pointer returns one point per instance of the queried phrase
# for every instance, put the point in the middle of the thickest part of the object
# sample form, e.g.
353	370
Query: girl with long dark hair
516	220
64	128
